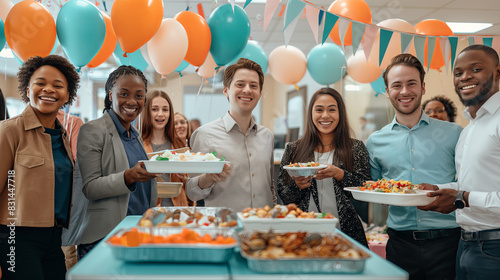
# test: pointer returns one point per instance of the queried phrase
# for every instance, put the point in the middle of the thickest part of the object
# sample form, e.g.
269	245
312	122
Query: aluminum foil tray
191	253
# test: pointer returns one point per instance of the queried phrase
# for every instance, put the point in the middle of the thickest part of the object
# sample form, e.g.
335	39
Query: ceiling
412	11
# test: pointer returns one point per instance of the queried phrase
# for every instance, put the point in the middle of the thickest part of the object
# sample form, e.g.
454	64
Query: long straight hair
341	140
189	129
147	124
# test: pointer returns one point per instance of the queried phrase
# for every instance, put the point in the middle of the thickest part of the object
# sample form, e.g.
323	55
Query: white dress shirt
478	168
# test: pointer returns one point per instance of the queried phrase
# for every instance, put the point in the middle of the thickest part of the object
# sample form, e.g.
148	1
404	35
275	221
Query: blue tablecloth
101	264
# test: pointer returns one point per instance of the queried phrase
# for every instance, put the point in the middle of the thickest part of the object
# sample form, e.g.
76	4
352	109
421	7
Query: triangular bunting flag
488	41
320	16
368	39
312	15
343	26
293	10
443	45
330	20
246	3
271	6
358	29
478	40
289	30
453	50
385	38
405	41
232	4
471	41
431	44
419	42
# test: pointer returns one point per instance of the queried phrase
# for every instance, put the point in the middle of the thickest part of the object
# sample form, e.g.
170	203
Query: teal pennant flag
453	49
488	41
246	3
431	44
330	20
358	29
419	42
471	41
293	10
405	41
385	38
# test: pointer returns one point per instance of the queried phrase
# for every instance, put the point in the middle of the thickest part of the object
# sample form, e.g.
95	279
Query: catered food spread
184	217
134	238
290	211
186	156
304	164
390	186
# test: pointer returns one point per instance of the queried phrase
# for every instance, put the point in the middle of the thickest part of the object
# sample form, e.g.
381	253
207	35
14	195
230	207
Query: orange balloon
30	30
354	9
135	22
199	37
109	45
434	27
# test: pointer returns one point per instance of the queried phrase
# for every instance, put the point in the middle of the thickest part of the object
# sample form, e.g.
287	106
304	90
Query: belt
483	235
428	234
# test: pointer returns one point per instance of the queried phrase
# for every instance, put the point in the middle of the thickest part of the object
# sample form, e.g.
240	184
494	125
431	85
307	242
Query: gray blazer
103	162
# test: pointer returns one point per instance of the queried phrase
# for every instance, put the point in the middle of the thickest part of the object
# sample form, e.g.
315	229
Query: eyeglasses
437	111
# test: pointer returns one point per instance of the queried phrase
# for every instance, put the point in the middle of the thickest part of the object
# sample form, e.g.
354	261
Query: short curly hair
62	64
449	107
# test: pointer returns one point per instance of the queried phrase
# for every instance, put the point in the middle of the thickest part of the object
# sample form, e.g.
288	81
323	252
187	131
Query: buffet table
101	264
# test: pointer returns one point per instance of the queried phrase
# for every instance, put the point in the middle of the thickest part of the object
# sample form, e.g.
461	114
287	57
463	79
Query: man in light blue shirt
420	149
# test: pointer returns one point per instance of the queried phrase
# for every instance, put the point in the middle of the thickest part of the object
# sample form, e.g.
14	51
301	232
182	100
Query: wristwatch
459	200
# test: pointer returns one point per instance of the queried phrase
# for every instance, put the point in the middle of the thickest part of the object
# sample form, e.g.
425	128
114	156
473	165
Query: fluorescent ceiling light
253	1
352	88
468	27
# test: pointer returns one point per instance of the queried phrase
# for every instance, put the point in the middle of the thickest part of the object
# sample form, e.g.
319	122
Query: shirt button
252	174
412	150
419	221
250	154
254	196
413	169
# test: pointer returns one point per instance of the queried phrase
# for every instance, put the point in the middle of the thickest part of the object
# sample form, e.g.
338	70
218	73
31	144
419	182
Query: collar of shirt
229	123
423	119
121	129
490	106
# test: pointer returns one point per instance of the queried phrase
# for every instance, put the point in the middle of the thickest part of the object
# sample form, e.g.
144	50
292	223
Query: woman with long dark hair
327	140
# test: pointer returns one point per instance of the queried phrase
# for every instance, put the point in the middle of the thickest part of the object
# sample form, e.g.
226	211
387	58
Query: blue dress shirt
140	197
423	154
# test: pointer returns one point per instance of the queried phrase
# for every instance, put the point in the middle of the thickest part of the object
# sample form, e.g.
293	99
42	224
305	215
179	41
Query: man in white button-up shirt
476	195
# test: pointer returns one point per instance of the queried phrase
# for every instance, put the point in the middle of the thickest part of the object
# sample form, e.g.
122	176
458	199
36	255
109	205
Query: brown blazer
26	152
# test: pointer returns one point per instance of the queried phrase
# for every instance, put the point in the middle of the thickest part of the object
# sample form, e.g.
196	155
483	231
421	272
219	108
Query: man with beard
416	148
476	195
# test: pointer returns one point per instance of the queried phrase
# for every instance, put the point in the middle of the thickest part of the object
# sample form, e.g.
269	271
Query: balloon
362	71
30	30
434	27
136	21
168	47
145	54
5	7
378	85
287	64
2	35
253	51
326	63
207	69
394	47
134	59
230	32
199	36
109	45
81	30
181	67
354	9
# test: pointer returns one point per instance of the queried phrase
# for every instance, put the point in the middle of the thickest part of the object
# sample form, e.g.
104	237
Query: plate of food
303	168
186	162
391	192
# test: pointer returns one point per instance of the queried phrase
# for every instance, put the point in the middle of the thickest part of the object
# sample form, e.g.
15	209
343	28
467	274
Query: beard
482	96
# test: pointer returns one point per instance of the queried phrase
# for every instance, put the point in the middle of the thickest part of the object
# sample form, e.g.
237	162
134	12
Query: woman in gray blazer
109	149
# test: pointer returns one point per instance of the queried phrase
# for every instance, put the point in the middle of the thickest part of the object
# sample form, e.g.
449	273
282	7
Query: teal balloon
326	63
81	30
2	35
55	46
17	58
253	52
134	59
181	67
378	85
230	32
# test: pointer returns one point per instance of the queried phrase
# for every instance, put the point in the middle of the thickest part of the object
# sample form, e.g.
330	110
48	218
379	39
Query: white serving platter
288	224
161	166
303	171
398	199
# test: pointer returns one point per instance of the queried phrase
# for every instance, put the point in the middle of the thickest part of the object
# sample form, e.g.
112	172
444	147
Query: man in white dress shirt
476	195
